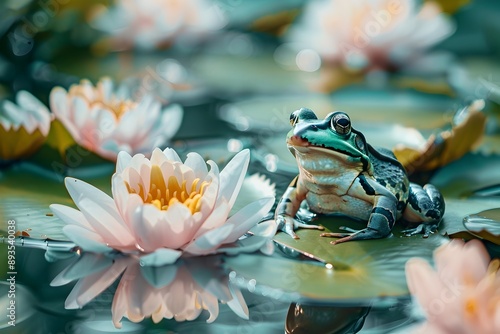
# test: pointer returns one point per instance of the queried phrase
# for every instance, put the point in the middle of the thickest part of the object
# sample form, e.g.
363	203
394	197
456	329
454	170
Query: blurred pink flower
147	24
178	291
107	121
463	295
163	208
367	34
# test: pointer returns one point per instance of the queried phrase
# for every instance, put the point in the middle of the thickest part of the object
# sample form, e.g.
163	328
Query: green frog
339	172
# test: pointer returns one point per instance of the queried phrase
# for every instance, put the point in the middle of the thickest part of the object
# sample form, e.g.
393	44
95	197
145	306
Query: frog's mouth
298	141
303	147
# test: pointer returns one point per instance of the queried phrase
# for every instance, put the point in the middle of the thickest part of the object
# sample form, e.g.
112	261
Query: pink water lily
368	34
147	24
106	120
462	296
163	208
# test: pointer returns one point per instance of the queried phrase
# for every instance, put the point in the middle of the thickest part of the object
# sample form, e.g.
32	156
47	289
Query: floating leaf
59	138
485	225
362	271
449	145
334	77
468	176
458	209
25	197
276	23
451	7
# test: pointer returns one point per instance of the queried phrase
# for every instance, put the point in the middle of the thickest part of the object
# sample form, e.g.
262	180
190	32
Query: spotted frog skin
339	172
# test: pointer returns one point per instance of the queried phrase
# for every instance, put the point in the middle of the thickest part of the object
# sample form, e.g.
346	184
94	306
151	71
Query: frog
340	173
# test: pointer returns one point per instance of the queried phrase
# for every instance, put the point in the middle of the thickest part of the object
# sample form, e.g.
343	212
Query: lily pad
458	209
25	196
352	272
267	115
485	225
467	175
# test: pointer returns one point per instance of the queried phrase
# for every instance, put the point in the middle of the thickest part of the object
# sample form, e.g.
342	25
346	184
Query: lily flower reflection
180	291
106	121
370	34
148	24
163	209
24	126
462	296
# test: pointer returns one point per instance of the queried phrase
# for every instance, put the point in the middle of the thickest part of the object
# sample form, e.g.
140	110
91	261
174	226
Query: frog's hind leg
425	205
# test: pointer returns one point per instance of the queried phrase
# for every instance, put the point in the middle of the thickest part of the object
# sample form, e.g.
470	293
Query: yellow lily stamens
164	194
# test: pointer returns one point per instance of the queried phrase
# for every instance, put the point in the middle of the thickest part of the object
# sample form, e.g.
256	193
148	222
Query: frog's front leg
425	205
382	216
287	208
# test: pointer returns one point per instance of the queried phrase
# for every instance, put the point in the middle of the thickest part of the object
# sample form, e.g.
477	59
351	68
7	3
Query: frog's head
331	138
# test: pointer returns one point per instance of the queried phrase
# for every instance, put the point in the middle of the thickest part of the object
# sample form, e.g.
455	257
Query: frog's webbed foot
425	205
288	225
425	229
364	234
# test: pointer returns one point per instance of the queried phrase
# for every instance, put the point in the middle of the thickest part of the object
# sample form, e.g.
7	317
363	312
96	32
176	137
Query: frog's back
389	172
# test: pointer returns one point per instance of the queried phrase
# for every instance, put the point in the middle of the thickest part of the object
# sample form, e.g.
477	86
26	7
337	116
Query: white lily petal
87	240
69	215
209	241
247	217
232	176
80	111
79	189
171	155
171	119
122	161
160	257
197	164
216	218
103	221
58	100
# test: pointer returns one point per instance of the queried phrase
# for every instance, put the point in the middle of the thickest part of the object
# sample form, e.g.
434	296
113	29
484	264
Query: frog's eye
341	123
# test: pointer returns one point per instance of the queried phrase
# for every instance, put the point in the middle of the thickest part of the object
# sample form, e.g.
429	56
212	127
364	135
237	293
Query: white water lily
147	24
163	208
107	121
24	125
368	34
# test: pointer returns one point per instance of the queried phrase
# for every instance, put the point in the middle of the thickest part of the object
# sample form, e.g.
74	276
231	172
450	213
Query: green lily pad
458	209
25	196
268	115
485	225
352	272
361	271
467	175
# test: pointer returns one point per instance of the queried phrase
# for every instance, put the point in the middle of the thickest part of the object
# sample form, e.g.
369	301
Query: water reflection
181	291
324	319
